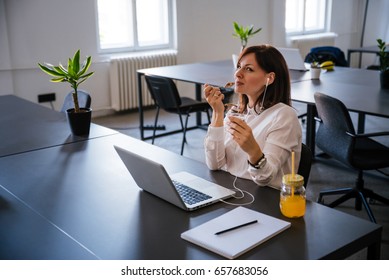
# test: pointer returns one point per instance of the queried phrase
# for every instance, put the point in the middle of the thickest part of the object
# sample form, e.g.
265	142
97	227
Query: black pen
236	227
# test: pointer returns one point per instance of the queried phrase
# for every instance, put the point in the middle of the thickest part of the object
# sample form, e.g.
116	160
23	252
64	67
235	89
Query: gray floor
326	173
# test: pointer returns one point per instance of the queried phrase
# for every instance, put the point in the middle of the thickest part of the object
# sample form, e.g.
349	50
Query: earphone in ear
261	109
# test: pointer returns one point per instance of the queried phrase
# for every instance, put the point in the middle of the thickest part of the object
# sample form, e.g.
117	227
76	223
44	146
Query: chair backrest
327	53
163	91
304	168
335	122
84	100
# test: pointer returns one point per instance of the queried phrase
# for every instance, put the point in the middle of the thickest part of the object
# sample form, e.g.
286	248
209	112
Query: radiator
123	78
305	42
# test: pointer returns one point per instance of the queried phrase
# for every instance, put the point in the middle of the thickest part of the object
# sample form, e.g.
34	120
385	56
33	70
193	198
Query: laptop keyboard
189	195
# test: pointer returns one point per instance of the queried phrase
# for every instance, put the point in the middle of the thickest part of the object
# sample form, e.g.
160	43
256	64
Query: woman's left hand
243	135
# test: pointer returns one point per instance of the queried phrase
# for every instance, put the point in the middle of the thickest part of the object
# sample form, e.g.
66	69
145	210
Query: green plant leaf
49	71
59	70
70	68
57	80
256	31
86	76
63	69
236	28
81	81
76	62
86	65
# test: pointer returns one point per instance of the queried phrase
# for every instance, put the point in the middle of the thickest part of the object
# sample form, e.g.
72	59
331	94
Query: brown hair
270	60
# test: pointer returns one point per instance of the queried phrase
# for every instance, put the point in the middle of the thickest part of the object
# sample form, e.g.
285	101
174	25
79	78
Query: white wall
48	31
205	27
34	31
377	26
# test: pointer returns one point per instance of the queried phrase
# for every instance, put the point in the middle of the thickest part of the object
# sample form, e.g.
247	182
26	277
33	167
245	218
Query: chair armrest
365	135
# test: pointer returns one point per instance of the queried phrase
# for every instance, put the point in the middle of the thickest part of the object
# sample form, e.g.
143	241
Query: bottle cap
294	180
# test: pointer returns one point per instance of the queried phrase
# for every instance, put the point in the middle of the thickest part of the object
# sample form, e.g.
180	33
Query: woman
259	146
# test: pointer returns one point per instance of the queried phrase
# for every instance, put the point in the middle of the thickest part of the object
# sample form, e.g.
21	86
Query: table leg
349	58
140	105
311	127
374	251
361	122
198	97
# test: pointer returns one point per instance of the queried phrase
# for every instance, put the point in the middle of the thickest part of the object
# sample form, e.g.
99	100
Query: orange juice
292	196
292	206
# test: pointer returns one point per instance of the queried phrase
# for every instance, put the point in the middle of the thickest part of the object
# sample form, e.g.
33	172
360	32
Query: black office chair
84	100
165	95
337	138
305	164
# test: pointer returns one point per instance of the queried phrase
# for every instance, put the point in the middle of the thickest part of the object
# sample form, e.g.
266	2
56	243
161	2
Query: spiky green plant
244	33
74	74
383	55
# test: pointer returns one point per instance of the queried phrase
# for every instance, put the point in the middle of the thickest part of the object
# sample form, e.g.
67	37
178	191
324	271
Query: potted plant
384	64
315	70
74	74
244	33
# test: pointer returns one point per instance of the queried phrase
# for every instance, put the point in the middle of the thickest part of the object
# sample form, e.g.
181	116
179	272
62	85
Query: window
132	25
306	16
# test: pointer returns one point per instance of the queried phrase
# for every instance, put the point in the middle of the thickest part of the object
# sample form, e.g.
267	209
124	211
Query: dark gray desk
85	191
24	234
26	126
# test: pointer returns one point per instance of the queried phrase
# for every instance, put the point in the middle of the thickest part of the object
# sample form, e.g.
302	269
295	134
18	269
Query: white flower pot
315	73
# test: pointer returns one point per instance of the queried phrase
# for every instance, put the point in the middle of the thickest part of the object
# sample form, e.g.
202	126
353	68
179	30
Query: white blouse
278	132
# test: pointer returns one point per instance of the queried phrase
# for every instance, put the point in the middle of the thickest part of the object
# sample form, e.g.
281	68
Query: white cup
237	115
234	114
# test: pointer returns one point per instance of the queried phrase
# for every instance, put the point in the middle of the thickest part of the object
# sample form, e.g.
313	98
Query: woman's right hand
215	98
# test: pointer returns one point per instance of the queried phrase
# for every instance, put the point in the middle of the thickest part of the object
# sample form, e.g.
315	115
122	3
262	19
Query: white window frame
301	14
137	47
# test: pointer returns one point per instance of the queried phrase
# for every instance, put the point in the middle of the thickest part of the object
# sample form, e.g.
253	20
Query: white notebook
233	243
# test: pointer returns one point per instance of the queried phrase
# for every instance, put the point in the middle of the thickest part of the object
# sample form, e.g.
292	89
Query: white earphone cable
261	109
242	195
242	192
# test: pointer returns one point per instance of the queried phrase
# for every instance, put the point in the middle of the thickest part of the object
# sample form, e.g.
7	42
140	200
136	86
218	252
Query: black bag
326	53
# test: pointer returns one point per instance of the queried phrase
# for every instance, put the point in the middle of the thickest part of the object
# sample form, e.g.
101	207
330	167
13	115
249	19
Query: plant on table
315	65
384	64
383	55
244	33
74	74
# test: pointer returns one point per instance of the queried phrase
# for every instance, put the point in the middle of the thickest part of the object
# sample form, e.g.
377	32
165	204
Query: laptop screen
293	58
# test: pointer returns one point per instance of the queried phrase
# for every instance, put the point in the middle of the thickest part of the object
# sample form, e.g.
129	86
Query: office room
39	31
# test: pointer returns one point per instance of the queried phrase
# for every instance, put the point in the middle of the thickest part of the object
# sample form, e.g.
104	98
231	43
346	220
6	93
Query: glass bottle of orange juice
292	196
